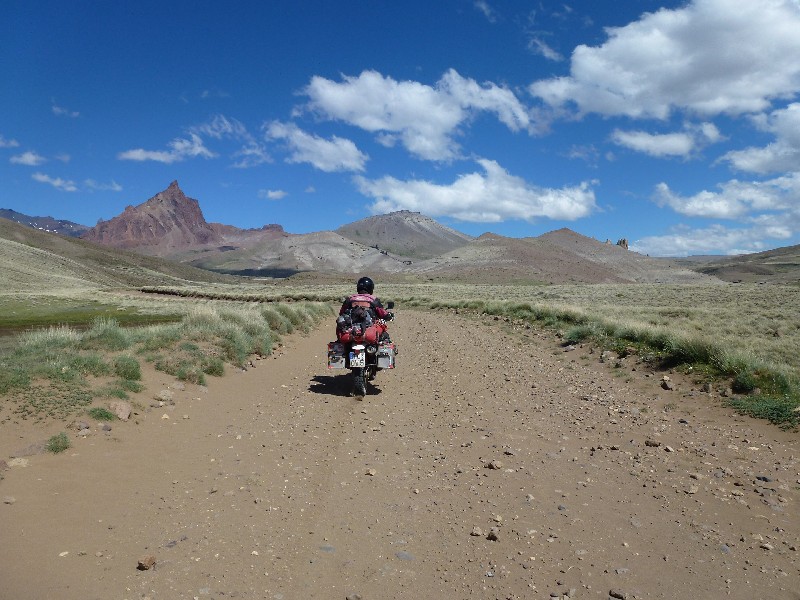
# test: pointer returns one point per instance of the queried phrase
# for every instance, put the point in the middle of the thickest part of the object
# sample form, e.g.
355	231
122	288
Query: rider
363	297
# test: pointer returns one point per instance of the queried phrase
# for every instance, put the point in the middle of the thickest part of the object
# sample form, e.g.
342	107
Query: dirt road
503	466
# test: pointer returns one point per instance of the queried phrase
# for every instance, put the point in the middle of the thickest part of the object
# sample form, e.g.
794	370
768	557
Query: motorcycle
364	347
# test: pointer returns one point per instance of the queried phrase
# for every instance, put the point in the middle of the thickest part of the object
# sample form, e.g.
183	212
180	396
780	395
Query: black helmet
365	285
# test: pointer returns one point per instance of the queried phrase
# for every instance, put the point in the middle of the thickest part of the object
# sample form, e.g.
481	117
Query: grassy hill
32	261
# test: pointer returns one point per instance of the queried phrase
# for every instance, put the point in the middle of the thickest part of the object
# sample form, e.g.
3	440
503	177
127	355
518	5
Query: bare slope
34	260
781	265
405	234
561	256
401	243
324	251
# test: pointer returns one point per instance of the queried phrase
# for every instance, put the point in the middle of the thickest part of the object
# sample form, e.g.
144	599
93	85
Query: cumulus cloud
179	149
29	159
707	57
665	144
781	155
488	197
715	239
8	143
335	154
693	137
65	185
735	199
96	186
422	118
272	194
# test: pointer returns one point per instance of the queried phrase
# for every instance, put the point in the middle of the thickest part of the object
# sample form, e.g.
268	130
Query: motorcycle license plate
358	360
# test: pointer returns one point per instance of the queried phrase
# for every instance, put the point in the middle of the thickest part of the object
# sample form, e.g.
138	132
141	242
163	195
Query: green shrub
85	364
127	368
780	411
99	413
213	366
130	386
57	443
744	382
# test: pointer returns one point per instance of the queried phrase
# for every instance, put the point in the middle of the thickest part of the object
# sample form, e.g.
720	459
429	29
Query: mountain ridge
397	245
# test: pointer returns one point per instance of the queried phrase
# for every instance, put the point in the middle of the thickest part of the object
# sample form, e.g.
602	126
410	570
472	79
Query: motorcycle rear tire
359	384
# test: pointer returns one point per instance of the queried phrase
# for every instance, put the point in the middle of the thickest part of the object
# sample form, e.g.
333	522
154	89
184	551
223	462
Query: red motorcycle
363	346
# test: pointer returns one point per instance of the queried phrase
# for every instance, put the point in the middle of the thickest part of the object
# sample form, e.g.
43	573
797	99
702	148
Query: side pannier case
385	356
336	355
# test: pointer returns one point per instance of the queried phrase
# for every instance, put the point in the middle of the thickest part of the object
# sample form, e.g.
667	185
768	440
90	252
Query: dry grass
762	321
741	329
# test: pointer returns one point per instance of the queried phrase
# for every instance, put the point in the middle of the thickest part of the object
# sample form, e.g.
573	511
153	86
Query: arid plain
498	460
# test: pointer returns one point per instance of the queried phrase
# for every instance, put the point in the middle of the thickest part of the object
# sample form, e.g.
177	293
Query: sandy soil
273	483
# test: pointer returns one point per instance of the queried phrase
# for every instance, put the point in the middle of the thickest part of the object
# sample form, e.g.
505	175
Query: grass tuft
98	413
57	443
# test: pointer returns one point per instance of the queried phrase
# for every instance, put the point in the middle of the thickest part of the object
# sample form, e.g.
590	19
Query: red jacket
367	301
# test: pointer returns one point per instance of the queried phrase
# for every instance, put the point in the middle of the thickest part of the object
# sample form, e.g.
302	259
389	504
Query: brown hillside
405	234
781	265
561	256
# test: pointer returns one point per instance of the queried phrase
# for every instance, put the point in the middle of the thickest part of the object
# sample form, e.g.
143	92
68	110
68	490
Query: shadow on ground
338	385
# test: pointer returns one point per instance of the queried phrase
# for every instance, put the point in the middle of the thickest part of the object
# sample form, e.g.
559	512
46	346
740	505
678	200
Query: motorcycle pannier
386	356
336	355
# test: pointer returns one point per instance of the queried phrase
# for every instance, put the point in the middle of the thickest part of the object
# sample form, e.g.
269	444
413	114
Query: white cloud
487	10
716	239
735	199
539	46
336	154
8	143
65	185
29	159
781	155
60	111
423	118
488	197
220	127
272	194
708	57
93	185
180	149
665	144
251	154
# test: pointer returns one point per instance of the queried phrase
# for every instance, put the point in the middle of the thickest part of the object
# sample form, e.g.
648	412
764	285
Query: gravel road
494	464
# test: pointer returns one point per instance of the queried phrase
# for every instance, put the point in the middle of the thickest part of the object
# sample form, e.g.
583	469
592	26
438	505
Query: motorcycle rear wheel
359	384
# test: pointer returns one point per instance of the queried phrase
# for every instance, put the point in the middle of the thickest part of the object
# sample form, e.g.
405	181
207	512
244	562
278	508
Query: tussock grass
57	371
98	413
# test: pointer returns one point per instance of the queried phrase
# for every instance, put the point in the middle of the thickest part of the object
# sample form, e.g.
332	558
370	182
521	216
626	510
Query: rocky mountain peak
168	220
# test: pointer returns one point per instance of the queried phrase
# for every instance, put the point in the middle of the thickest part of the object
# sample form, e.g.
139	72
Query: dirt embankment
493	465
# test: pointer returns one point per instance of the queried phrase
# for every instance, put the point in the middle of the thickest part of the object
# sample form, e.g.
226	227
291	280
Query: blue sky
673	124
